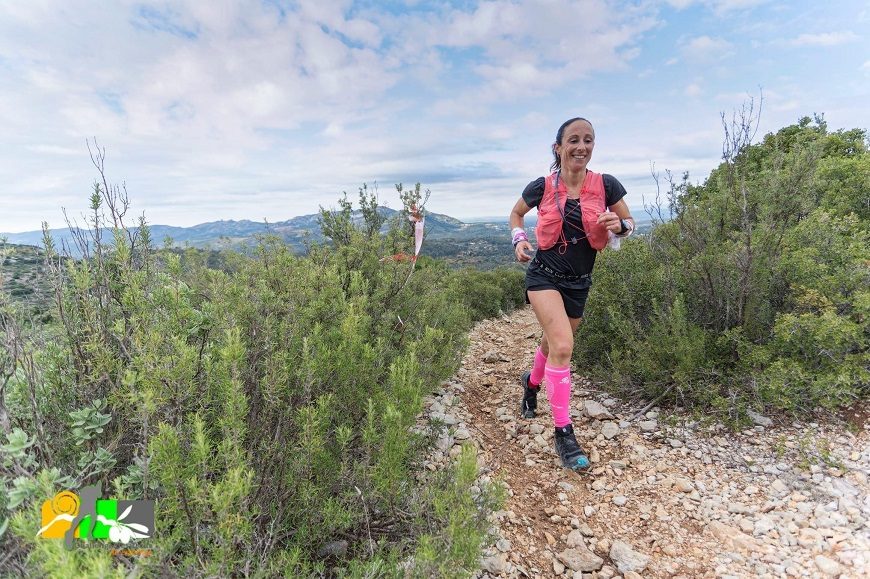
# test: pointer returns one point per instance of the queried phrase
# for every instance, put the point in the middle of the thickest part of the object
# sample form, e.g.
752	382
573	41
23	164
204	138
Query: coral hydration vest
551	211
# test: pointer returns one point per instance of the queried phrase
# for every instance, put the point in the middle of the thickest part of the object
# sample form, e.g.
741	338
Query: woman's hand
610	220
523	250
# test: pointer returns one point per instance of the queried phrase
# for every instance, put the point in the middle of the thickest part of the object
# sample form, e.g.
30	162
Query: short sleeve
534	192
613	190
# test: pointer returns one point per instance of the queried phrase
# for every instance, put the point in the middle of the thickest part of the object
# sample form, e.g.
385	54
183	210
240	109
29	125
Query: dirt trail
664	497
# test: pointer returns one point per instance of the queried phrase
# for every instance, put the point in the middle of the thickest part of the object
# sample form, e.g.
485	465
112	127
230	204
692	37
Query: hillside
295	231
23	277
479	244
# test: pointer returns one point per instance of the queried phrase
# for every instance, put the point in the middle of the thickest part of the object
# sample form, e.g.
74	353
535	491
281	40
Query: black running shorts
573	291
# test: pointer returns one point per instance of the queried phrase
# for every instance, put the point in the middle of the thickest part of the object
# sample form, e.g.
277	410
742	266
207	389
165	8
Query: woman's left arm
612	219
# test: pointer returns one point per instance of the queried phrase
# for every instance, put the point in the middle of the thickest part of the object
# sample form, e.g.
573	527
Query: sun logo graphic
85	515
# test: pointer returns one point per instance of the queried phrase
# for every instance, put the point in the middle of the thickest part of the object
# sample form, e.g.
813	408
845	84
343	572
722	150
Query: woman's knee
561	348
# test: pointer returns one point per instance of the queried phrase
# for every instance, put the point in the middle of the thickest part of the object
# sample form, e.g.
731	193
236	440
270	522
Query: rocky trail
665	497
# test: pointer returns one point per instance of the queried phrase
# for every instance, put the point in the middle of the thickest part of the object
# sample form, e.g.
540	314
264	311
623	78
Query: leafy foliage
269	406
755	293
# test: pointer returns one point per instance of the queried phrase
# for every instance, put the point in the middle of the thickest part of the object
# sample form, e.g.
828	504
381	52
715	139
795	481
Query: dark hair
557	162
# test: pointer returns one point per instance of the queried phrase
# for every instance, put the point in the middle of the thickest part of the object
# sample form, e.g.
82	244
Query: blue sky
253	110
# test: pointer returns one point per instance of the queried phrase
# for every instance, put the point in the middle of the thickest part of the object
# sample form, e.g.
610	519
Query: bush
486	294
267	407
755	293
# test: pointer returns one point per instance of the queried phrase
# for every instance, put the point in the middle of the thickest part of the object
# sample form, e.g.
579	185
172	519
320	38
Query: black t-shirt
578	257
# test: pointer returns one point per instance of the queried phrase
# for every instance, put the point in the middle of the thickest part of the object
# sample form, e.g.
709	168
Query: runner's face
578	140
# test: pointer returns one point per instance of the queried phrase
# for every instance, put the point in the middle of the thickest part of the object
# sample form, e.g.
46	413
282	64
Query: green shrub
267	407
755	293
488	293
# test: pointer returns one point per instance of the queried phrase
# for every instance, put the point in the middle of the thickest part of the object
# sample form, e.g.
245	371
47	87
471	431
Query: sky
270	109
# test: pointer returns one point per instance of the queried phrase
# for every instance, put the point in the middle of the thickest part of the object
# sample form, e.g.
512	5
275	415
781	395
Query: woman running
576	210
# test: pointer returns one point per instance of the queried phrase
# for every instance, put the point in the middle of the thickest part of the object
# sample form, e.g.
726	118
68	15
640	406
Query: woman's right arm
523	249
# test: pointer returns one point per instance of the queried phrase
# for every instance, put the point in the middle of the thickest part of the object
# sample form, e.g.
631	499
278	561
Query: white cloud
693	90
234	109
724	6
706	48
527	46
786	106
826	39
680	4
54	150
718	6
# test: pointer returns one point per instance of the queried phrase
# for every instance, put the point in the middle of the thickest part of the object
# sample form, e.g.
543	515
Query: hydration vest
551	211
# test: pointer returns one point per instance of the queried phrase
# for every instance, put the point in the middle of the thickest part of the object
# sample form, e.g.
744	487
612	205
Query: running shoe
570	453
530	397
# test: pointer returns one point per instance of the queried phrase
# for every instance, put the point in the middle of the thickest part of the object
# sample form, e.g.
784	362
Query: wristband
627	228
518	234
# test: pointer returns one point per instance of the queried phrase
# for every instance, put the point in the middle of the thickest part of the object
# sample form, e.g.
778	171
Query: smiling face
575	149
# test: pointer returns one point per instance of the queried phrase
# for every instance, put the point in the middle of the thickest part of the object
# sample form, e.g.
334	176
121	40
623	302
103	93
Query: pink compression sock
538	368
559	394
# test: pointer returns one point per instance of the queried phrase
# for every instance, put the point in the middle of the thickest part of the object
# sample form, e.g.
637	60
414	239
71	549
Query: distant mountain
240	234
482	244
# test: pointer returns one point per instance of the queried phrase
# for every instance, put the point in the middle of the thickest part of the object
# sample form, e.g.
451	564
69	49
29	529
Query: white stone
609	430
497	564
759	419
580	558
827	566
763	526
683	485
596	410
575	538
626	558
779	487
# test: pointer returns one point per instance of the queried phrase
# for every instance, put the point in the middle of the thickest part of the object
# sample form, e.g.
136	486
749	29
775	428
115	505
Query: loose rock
827	566
704	501
759	419
497	564
596	410
609	430
626	558
580	559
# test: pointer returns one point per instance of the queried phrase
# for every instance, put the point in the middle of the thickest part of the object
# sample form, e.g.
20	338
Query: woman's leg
544	346
559	342
531	383
541	354
536	376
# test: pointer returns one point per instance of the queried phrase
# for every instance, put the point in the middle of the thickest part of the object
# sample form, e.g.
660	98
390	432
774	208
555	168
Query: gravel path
665	497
